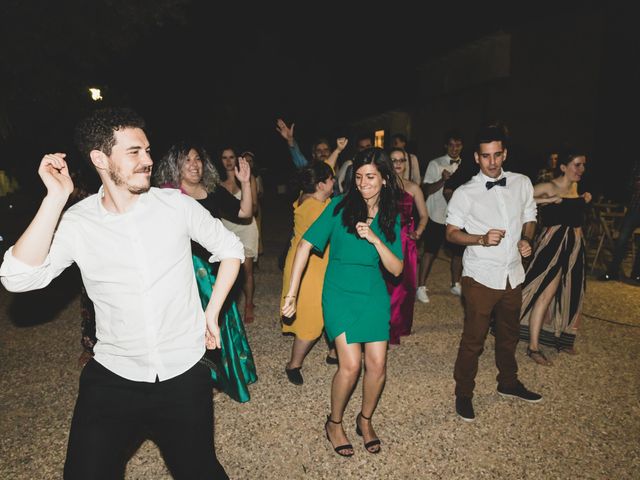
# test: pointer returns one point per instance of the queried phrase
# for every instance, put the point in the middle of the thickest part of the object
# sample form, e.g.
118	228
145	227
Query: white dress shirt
436	203
137	270
478	210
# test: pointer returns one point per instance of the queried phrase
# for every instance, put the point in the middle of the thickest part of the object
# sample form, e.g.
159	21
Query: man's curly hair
96	132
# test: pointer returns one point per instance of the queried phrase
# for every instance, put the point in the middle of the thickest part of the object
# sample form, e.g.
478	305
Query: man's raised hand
54	172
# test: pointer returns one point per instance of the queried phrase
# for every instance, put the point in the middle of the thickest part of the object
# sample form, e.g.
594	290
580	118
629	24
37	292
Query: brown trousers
479	304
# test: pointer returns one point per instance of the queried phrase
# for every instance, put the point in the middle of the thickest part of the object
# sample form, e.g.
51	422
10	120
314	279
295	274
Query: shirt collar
483	178
142	200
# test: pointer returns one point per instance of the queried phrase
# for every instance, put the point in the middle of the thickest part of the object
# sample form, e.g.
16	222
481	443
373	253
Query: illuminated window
379	138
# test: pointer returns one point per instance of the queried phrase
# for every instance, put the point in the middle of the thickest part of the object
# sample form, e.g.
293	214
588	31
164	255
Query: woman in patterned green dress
189	168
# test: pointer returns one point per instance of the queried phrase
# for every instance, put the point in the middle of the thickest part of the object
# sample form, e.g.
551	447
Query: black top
222	204
570	212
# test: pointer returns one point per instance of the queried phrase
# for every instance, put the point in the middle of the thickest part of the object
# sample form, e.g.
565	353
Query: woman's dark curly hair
310	176
168	171
354	207
96	132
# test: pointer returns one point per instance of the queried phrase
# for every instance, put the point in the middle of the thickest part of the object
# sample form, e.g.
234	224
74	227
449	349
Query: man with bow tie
494	216
443	175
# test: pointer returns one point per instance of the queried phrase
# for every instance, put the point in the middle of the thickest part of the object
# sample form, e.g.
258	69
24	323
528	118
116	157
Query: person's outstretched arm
299	160
341	144
243	174
25	265
299	264
33	245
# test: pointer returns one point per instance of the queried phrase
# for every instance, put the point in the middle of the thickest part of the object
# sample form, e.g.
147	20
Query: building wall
546	92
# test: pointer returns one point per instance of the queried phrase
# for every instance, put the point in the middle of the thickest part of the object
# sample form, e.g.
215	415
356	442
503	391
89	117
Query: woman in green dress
363	228
189	168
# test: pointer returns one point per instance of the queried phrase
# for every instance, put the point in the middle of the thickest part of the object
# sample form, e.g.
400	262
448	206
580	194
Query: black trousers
113	415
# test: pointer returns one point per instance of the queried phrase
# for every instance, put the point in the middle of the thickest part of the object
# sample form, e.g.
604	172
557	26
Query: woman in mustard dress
363	229
316	185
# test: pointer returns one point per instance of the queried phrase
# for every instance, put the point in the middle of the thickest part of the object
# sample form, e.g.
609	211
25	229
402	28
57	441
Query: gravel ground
587	426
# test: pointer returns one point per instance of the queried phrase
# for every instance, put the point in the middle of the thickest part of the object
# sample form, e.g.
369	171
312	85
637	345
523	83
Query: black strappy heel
373	443
341	448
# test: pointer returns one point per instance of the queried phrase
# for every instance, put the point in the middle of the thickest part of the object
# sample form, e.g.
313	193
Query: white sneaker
456	289
421	294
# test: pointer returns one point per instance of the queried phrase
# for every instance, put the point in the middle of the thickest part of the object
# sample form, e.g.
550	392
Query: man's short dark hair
490	133
452	134
364	136
96	132
399	136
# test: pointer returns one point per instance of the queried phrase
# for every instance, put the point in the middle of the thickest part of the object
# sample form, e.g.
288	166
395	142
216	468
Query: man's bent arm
225	278
33	245
456	235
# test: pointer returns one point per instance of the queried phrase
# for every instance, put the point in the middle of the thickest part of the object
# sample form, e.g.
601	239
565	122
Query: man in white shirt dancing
132	246
497	212
441	171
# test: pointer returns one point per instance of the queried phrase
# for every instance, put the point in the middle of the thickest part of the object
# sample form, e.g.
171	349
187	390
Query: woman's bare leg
342	386
537	315
375	374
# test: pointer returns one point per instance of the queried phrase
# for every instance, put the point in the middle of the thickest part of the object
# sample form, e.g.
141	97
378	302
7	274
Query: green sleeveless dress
355	300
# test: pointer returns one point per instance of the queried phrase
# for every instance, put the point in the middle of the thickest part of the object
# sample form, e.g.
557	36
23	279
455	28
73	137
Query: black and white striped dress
559	250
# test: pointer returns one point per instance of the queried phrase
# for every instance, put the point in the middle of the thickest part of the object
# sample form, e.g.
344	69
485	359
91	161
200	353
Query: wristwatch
481	241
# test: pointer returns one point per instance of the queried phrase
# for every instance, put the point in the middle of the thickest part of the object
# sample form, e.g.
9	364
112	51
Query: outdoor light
95	94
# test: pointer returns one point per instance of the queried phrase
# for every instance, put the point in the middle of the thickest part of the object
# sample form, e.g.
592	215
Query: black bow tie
451	162
502	182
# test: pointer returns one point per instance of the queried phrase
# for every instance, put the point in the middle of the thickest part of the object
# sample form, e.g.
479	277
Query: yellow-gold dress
308	321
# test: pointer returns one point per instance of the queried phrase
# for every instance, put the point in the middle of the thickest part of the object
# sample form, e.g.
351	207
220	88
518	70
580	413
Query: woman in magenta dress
403	289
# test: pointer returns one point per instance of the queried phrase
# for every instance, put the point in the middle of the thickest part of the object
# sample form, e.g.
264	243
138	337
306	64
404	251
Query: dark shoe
519	391
374	445
605	277
569	349
635	278
539	357
294	375
342	450
331	360
464	409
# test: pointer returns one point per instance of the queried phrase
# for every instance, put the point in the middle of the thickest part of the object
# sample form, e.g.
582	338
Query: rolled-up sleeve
211	233
299	160
17	276
530	210
457	209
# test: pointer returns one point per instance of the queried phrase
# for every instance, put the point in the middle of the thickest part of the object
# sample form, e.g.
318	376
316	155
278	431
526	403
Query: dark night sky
224	74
